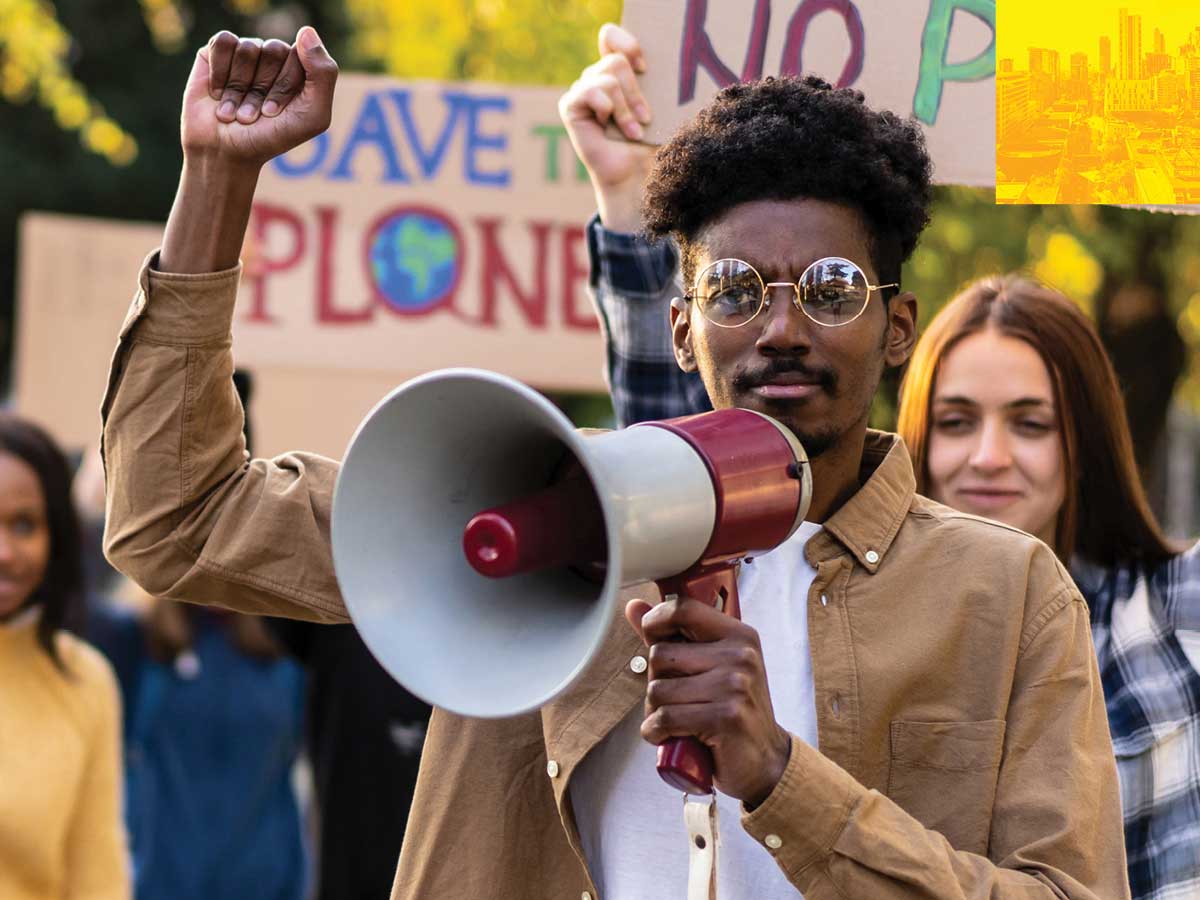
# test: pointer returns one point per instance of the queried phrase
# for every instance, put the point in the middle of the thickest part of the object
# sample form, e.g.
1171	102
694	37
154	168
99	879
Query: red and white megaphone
481	541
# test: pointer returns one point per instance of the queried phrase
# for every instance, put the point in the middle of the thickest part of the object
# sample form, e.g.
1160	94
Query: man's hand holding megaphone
713	687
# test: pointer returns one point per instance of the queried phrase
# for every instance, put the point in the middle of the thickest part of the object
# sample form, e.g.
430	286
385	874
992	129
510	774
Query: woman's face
24	534
994	444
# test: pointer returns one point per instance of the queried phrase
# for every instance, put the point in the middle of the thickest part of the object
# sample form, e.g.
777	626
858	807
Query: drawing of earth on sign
414	258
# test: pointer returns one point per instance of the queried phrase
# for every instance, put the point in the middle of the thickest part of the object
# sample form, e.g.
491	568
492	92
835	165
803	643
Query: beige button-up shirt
964	748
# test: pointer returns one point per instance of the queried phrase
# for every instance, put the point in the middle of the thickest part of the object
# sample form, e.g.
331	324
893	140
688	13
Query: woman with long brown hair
1011	410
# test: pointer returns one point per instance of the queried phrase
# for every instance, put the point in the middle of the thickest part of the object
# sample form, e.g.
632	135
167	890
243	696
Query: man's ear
901	329
681	335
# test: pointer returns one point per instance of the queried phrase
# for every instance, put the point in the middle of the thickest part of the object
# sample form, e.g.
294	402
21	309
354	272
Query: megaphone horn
480	541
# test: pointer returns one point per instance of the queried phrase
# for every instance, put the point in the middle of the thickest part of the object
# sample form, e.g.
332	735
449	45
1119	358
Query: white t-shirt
631	822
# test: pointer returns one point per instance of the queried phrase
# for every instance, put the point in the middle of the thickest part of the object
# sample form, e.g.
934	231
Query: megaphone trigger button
638	664
552	769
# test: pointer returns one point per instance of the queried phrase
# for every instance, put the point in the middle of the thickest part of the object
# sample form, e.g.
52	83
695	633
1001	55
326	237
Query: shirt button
552	769
872	557
773	841
824	600
638	664
837	707
586	895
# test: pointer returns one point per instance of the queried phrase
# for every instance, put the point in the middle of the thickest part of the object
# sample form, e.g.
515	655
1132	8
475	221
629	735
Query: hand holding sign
608	92
248	101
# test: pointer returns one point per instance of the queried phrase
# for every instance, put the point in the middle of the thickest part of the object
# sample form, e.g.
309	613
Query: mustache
823	376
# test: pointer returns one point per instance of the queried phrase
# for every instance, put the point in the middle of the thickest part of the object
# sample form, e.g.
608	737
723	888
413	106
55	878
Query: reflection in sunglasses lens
730	293
834	291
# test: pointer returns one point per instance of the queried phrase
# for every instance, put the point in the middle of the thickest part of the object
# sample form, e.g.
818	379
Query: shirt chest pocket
943	774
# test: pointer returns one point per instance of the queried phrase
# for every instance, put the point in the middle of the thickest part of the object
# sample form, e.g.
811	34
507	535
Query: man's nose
786	328
993	453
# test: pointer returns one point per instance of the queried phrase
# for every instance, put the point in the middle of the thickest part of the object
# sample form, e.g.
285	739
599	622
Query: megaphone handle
685	763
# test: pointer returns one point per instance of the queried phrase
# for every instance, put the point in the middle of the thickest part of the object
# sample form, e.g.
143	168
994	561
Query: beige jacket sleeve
1053	837
189	515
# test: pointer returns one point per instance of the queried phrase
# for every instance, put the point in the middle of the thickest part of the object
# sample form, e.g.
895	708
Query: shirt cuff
804	815
183	309
628	263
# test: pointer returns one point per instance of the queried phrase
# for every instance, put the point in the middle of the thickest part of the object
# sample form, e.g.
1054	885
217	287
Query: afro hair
787	138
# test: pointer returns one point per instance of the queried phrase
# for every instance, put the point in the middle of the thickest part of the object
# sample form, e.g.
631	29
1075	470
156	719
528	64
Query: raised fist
248	101
607	92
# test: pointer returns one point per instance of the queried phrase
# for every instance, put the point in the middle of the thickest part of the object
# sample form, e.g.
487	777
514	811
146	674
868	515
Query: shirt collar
867	523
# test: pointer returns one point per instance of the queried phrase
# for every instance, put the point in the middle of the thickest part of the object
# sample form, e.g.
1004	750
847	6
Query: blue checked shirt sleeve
632	282
1141	617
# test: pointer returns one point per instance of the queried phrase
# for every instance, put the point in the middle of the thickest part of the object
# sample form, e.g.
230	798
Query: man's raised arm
189	515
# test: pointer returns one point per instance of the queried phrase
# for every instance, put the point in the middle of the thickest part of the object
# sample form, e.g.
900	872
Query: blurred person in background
1012	411
61	829
363	738
214	727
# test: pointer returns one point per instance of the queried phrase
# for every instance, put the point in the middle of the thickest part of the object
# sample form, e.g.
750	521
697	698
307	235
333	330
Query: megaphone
480	540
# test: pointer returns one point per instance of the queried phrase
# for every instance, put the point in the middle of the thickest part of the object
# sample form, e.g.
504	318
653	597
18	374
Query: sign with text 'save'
432	225
930	59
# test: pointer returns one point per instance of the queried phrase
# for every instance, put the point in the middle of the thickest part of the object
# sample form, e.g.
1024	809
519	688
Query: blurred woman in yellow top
61	829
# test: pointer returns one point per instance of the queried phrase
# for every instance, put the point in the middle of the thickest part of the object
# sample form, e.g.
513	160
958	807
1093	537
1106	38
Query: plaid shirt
632	283
1151	689
1152	692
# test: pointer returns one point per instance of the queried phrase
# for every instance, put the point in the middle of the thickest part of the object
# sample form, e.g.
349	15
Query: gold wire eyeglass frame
797	300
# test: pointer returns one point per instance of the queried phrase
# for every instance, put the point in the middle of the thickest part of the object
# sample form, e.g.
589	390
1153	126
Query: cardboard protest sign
432	225
932	59
77	276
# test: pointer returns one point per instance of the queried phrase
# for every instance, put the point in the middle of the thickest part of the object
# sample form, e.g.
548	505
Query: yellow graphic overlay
1097	102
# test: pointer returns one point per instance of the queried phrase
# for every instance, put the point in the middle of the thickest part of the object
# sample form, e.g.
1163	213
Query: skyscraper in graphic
1105	55
1079	67
1044	61
1129	45
1160	42
1079	76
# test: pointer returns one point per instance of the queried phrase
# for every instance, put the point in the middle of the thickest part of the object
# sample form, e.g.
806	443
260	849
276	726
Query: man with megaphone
910	706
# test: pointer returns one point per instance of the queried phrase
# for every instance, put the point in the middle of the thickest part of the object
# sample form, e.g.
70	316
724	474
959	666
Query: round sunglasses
832	292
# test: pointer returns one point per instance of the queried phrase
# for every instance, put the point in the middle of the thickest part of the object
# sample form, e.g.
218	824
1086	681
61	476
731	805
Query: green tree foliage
508	41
